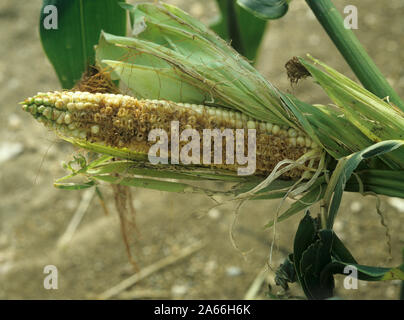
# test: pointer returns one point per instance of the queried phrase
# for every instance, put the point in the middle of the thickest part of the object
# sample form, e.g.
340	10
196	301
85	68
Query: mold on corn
121	121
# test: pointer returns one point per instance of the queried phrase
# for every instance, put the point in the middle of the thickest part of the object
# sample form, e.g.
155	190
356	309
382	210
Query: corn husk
172	56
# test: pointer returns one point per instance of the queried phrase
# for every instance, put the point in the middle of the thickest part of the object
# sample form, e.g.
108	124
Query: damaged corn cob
121	122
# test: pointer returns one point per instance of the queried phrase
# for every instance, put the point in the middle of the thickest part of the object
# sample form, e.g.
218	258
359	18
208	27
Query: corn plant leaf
370	273
237	25
352	50
70	46
385	182
340	252
265	9
305	236
286	273
344	170
314	259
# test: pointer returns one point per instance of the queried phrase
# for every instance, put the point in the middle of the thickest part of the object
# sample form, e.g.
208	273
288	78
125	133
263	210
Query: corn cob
119	121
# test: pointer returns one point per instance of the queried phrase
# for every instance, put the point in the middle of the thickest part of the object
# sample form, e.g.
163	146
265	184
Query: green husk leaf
343	172
74	186
197	57
375	118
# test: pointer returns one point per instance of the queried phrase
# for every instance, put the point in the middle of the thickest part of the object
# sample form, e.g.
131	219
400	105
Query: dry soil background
34	215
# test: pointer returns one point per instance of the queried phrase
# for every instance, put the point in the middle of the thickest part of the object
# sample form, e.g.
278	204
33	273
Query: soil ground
34	214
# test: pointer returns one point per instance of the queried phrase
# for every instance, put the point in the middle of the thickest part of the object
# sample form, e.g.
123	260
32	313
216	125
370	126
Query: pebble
179	290
9	150
397	203
338	227
214	214
14	121
210	267
137	204
356	206
233	271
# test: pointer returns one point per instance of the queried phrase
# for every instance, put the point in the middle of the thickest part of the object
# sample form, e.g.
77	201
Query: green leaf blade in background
353	51
370	273
70	47
265	9
243	29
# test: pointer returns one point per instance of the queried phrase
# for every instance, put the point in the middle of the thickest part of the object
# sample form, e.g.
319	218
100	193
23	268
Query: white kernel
59	104
276	129
80	105
308	142
65	99
47	113
67	118
301	141
251	125
52	99
95	129
292	141
71	106
269	126
292	133
198	109
97	97
60	118
41	109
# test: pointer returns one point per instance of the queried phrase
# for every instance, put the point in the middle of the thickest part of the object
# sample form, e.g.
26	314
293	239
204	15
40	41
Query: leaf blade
79	23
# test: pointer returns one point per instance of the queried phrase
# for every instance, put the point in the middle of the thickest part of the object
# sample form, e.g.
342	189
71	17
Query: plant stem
233	26
352	51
